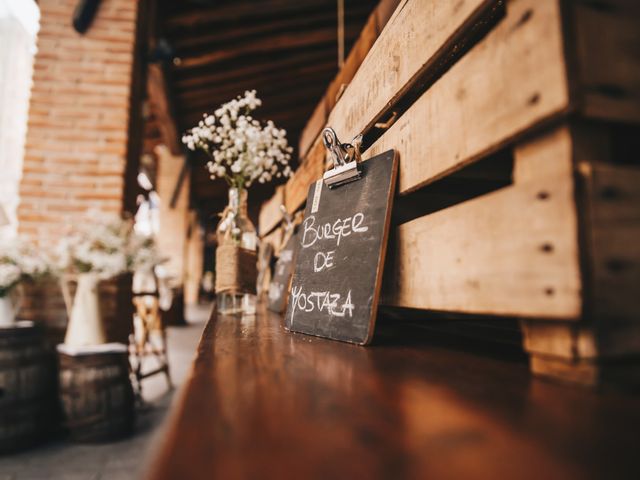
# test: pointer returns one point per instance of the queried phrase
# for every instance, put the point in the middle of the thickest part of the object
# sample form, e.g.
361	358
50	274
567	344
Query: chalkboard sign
343	241
281	281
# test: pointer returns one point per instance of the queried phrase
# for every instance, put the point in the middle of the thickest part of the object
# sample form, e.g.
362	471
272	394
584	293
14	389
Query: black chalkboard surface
281	281
343	241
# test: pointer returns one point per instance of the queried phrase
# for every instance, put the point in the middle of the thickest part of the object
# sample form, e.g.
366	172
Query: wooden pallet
515	128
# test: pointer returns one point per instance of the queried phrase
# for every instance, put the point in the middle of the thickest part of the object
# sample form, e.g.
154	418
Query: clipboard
343	242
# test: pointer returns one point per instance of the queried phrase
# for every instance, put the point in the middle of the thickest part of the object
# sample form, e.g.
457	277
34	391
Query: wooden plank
587	373
608	66
408	45
297	187
568	340
511	252
312	129
356	56
614	216
270	212
515	78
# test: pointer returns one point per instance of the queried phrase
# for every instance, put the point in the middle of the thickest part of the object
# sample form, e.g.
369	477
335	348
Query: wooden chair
149	340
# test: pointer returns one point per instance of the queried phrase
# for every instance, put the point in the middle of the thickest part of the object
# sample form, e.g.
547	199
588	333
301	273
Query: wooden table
262	403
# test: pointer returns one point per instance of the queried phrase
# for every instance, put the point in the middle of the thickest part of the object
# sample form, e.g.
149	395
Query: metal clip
287	218
345	158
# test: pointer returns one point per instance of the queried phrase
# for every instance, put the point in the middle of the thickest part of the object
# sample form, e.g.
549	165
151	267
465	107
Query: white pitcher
85	326
9	306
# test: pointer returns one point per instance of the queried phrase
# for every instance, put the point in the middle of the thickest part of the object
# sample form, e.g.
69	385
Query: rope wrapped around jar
236	269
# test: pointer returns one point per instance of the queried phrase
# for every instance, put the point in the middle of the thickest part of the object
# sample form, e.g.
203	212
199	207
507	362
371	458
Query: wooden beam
306	94
263	46
224	36
244	11
273	83
158	92
187	79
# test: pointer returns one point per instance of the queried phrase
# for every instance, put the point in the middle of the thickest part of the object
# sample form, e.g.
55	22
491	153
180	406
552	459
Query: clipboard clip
345	156
287	218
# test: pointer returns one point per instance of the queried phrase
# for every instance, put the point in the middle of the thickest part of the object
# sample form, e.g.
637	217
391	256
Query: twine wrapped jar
236	258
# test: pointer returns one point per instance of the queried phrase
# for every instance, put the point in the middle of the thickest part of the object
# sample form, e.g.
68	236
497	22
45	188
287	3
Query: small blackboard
281	281
343	242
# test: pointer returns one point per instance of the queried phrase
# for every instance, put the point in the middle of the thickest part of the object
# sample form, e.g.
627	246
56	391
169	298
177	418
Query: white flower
9	276
242	150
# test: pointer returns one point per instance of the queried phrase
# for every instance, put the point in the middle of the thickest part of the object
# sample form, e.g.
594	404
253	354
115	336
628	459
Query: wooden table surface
263	403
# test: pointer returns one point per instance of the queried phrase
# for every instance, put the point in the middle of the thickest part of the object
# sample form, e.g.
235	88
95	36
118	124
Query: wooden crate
515	130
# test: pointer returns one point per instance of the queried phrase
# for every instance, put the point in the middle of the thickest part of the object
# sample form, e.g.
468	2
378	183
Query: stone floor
120	460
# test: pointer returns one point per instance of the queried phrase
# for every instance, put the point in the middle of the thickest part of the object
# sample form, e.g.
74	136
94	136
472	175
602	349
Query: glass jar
236	229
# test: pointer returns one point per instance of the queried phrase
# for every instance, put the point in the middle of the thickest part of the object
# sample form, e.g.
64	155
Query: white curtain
18	29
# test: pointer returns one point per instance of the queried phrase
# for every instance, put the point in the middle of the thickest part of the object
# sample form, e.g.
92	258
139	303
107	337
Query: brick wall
76	147
78	153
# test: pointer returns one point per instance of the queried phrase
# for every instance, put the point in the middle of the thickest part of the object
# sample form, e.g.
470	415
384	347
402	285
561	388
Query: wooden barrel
96	394
28	410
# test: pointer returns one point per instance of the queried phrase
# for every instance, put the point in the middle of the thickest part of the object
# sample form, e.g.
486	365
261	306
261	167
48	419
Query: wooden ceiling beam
270	83
214	38
309	94
245	12
262	46
253	70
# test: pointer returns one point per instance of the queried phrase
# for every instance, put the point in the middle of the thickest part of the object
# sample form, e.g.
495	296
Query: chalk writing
331	303
343	227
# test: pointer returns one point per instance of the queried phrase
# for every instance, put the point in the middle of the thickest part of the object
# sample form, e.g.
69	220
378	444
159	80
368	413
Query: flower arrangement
108	248
20	261
10	275
99	248
241	148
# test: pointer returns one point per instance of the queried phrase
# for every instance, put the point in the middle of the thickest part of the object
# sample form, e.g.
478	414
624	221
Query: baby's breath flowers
21	261
241	149
107	247
98	247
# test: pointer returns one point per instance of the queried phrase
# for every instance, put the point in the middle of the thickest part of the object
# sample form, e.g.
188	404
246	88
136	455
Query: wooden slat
376	22
512	80
297	187
270	212
614	200
607	58
511	252
385	72
313	127
409	45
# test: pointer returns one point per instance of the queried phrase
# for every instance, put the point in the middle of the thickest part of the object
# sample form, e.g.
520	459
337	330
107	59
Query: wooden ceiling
284	49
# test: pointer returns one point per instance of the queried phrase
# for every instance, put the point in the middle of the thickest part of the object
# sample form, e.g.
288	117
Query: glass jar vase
236	270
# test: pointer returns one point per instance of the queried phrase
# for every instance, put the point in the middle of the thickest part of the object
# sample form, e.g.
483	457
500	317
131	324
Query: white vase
85	326
7	311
